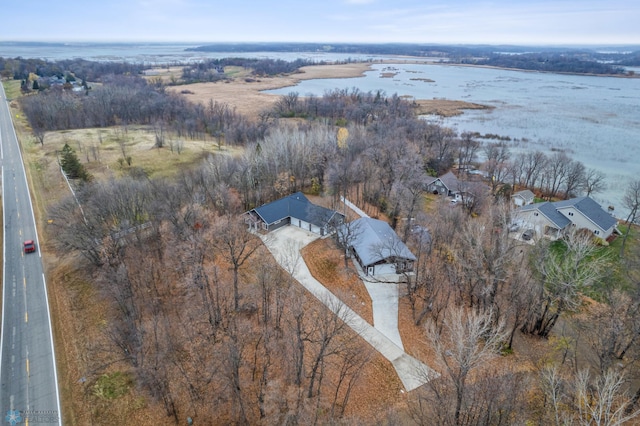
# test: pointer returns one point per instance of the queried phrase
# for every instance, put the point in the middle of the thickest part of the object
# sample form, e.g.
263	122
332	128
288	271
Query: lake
594	119
156	53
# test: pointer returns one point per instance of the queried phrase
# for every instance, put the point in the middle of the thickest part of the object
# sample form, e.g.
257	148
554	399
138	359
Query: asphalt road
28	379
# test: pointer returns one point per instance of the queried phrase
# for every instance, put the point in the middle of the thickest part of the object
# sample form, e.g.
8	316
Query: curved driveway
285	244
28	379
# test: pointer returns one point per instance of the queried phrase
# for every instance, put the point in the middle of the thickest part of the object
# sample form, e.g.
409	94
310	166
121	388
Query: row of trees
130	100
21	68
578	63
213	69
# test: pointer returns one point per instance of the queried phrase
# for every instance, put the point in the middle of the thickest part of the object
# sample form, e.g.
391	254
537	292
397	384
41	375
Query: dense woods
208	326
559	62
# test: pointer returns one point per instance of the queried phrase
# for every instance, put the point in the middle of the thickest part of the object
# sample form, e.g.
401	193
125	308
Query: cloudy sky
368	21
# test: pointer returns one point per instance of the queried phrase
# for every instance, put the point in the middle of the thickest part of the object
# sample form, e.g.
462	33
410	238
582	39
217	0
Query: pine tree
71	164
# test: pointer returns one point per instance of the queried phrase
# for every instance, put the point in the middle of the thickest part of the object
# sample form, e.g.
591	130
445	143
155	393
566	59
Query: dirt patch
445	108
326	264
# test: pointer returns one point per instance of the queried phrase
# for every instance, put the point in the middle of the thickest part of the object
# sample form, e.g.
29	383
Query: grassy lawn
618	274
12	88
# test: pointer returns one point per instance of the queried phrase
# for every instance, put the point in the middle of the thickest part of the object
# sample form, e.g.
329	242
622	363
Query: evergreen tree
71	164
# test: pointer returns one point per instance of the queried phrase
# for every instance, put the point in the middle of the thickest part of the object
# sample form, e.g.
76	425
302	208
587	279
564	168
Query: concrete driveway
285	245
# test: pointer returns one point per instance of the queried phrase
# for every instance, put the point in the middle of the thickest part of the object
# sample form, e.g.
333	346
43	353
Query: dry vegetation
326	264
247	95
81	315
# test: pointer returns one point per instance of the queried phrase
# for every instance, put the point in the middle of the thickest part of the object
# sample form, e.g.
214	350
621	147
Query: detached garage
378	249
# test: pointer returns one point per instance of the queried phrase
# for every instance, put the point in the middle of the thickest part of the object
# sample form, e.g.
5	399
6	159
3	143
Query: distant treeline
587	61
548	62
21	68
122	100
367	49
213	69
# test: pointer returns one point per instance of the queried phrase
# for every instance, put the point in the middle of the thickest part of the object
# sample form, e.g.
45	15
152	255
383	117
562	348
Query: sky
523	22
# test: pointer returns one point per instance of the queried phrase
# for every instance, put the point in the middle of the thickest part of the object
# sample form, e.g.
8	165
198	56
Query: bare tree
585	400
631	201
594	181
574	178
236	245
468	148
555	173
562	275
497	157
466	340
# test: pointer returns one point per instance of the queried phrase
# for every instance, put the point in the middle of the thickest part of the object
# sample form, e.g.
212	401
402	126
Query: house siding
582	222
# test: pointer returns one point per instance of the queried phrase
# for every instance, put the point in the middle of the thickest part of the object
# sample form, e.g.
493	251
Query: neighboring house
585	213
523	198
552	219
378	249
449	185
543	218
294	210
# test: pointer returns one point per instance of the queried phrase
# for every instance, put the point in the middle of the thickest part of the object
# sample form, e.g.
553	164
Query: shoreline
248	97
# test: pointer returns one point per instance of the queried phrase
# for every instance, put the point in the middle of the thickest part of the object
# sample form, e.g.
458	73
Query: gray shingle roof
550	212
375	241
450	181
591	209
295	205
525	194
585	205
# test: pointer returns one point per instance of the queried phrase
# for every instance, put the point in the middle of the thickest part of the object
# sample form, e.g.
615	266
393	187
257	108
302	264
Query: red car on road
29	246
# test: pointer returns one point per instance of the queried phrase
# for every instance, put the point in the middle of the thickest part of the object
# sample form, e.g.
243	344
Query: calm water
155	53
594	119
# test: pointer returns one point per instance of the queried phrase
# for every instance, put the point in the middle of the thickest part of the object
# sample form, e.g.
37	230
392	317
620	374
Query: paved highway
28	379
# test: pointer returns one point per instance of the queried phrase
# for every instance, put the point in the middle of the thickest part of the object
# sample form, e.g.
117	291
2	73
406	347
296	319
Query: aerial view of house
296	210
551	219
378	249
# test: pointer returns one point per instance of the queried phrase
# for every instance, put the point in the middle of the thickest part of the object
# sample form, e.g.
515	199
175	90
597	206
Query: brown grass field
248	97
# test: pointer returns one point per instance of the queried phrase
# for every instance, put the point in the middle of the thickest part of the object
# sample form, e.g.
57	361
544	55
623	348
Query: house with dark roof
296	210
522	198
447	184
551	220
450	186
378	249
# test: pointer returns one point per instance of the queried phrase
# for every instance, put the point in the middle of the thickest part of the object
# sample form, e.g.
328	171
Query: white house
552	219
523	198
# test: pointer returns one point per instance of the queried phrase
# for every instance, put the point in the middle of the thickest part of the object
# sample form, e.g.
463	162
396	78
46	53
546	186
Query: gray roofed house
447	184
296	210
378	249
585	213
523	198
552	219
